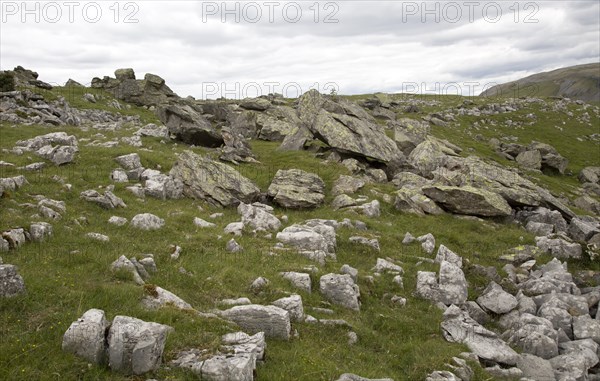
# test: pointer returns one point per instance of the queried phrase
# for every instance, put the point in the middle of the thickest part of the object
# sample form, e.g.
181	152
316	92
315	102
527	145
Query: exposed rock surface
11	283
214	182
297	189
340	290
253	318
135	346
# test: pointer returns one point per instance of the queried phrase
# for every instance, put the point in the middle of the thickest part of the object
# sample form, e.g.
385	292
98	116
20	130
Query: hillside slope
355	226
576	82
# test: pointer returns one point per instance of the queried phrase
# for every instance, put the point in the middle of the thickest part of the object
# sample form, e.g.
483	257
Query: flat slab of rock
297	189
136	346
469	200
158	297
353	377
459	327
212	181
254	318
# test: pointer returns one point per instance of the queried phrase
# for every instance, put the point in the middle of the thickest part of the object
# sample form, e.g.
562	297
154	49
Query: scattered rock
86	337
340	290
297	189
136	346
299	280
233	247
212	181
147	221
11	283
272	320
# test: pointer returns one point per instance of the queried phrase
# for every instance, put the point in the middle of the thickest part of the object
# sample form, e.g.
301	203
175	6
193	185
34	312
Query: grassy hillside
576	82
70	274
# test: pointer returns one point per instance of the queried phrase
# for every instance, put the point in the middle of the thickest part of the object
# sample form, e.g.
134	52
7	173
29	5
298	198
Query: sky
239	49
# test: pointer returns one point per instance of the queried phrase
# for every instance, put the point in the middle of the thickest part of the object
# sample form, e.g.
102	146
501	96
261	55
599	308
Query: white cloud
374	46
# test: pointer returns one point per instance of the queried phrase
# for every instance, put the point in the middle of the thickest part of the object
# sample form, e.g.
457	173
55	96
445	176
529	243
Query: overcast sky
207	49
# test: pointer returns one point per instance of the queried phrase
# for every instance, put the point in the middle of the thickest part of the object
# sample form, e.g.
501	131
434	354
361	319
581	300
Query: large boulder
340	290
150	91
136	346
409	133
297	189
212	181
86	337
345	127
189	126
253	318
530	159
469	200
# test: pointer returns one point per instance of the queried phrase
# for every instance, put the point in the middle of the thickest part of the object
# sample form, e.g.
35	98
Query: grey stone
199	222
384	265
445	254
272	320
469	200
374	243
459	327
297	189
258	217
292	304
107	201
353	377
496	300
40	231
124	264
450	289
130	161
214	182
535	368
11	283
158	297
539	229
340	290
580	230
347	269
136	346
299	280
530	159
584	327
189	126
347	185
86	337
116	220
233	247
147	221
559	248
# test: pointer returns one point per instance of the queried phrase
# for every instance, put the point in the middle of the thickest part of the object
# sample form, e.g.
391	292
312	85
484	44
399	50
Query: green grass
70	273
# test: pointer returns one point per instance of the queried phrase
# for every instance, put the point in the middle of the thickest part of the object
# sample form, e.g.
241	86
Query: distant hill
575	82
